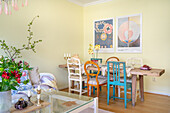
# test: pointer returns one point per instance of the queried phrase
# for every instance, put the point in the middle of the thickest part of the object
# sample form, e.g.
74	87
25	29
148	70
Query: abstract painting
129	34
103	35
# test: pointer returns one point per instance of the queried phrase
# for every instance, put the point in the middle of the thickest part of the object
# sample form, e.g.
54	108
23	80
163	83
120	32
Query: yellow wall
60	26
156	27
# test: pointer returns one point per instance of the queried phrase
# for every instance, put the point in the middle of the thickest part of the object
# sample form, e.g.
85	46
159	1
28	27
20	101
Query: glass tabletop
62	102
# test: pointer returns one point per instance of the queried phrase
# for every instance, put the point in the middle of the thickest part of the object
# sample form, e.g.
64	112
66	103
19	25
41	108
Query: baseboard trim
166	94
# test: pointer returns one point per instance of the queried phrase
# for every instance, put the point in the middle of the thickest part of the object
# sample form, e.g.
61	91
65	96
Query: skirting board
144	91
157	93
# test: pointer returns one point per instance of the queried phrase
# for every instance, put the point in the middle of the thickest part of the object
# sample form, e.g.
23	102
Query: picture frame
104	35
129	34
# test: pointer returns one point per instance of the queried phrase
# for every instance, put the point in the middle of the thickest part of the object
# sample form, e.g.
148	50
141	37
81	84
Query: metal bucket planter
5	101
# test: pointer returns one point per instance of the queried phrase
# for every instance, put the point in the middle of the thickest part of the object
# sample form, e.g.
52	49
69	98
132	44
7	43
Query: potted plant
11	70
10	73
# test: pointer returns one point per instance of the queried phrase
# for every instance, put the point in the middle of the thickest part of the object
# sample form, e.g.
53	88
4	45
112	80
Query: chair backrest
134	62
117	70
90	63
112	59
74	67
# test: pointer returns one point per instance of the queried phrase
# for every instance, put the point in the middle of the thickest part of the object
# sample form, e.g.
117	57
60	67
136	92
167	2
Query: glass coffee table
64	102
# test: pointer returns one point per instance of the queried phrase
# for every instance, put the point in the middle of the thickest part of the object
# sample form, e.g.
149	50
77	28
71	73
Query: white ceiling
85	3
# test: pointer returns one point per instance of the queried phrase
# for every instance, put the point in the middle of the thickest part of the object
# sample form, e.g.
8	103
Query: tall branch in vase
12	52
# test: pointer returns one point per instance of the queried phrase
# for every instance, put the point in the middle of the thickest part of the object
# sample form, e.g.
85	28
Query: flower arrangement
92	48
11	72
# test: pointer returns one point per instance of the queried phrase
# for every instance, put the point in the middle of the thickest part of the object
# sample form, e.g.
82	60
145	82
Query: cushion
48	81
128	80
34	76
101	81
77	77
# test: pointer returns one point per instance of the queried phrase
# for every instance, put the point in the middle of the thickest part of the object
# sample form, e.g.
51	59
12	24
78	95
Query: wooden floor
153	103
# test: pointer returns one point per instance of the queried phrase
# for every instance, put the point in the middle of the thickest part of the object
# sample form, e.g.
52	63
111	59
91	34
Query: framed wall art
103	35
129	34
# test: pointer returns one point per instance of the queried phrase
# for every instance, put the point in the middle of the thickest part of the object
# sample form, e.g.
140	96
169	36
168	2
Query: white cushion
128	80
77	77
101	81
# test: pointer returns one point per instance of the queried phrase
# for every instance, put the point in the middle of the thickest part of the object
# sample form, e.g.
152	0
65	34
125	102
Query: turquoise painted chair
116	81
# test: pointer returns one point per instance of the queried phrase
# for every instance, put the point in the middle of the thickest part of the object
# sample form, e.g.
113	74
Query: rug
91	110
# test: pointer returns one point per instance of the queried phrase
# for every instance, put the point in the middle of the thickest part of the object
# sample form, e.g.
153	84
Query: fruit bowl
145	67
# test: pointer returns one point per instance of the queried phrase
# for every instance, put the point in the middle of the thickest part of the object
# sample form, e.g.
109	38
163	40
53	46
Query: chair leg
113	92
108	93
93	90
119	91
69	86
80	87
90	90
97	91
125	96
87	89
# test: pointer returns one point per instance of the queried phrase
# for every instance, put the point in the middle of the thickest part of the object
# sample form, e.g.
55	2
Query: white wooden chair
74	74
133	62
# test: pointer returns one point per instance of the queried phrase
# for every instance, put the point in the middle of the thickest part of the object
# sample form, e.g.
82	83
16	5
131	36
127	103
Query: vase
5	101
97	54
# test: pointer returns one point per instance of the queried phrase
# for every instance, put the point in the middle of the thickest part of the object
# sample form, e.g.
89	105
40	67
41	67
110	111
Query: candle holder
39	101
67	57
29	101
38	97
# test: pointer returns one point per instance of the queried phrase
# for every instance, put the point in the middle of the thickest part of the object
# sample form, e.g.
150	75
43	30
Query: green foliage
10	70
12	52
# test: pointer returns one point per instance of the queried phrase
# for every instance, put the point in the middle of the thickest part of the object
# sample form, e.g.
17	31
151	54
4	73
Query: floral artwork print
129	33
103	35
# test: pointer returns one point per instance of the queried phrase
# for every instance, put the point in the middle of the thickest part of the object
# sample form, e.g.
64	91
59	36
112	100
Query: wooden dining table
134	72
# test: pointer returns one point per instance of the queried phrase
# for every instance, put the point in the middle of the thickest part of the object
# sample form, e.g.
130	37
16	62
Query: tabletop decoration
11	69
145	67
10	74
94	49
29	99
67	56
39	96
21	104
97	48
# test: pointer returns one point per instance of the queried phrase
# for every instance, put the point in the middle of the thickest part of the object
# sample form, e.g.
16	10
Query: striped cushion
128	80
101	81
77	77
